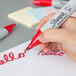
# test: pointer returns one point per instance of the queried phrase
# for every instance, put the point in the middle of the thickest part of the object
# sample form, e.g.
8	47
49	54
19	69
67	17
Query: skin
63	38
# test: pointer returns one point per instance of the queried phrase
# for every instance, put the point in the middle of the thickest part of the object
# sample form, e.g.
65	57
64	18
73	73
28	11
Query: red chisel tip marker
35	41
54	22
6	30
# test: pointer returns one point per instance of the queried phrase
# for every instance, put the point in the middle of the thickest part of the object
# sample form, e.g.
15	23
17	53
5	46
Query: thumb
55	35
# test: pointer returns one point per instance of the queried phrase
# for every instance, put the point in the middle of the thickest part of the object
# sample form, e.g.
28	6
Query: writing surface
15	66
36	63
51	65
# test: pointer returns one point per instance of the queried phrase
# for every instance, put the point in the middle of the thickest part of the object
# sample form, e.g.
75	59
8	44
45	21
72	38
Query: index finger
43	21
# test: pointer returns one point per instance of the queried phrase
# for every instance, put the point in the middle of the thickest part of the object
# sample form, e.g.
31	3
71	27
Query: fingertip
41	46
46	50
44	47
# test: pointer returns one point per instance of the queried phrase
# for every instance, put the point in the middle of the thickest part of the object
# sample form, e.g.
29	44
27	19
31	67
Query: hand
63	38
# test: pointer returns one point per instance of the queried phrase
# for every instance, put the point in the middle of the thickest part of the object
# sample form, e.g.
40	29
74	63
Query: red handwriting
53	52
11	57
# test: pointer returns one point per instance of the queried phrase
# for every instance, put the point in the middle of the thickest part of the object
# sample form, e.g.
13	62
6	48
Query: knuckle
45	19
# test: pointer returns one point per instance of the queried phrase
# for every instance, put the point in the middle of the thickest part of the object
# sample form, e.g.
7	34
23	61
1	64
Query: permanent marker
6	30
55	3
54	22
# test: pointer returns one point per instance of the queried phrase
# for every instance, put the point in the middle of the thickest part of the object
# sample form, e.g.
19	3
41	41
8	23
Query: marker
54	22
55	3
6	30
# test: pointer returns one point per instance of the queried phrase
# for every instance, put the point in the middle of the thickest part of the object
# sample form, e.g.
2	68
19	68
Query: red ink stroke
53	52
10	57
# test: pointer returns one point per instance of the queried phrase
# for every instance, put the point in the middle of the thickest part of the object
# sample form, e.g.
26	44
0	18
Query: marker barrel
59	17
3	33
54	3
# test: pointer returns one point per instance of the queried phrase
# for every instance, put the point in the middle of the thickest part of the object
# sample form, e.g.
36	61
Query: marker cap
9	28
43	2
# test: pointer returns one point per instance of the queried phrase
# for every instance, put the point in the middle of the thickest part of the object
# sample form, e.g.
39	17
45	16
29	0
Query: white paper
37	65
18	67
51	65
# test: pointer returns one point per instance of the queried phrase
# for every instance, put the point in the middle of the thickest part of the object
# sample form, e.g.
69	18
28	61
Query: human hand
63	38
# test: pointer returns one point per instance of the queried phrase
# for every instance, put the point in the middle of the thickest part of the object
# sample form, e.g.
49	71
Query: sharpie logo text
58	20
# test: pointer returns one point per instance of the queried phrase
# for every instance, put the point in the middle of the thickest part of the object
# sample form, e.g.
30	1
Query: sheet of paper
23	17
18	64
51	64
35	62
